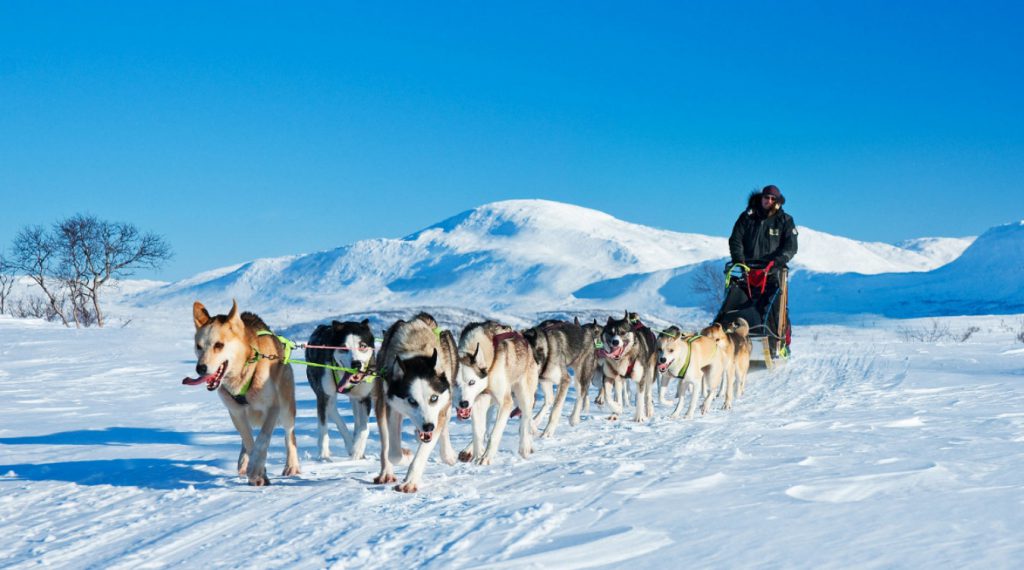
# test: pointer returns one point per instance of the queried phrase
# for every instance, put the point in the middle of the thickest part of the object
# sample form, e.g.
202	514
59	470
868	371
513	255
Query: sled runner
760	295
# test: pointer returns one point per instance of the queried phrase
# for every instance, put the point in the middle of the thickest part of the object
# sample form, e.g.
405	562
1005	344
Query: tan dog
255	385
495	364
697	360
736	373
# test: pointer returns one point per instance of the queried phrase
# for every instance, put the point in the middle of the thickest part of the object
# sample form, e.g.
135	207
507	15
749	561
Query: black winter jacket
758	239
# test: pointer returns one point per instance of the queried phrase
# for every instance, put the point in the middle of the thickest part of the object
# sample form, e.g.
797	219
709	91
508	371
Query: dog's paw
259	480
613	417
290	470
407	487
485	460
325	458
465	456
525	453
384	478
727	406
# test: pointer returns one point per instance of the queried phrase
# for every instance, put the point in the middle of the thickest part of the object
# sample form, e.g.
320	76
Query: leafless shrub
1020	330
7	279
35	307
966	334
708	285
35	254
937	331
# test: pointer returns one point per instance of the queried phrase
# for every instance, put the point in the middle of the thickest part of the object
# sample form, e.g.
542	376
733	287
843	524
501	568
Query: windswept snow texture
863	451
520	255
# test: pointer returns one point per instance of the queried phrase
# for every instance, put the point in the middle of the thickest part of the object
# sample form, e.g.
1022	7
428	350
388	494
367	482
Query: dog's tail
741	327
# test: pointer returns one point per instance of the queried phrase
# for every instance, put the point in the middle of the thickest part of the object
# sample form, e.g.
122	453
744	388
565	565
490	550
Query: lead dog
252	380
697	360
355	352
417	365
629	352
495	363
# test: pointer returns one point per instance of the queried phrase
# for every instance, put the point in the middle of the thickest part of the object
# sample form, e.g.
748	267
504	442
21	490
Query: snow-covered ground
865	450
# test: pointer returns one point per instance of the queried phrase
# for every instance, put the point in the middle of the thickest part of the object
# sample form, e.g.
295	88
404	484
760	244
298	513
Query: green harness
290	345
689	354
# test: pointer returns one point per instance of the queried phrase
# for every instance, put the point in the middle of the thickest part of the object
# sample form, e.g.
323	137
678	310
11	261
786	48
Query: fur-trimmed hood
754	203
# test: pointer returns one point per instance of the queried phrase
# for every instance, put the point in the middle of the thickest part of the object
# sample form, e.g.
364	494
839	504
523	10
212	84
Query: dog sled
759	295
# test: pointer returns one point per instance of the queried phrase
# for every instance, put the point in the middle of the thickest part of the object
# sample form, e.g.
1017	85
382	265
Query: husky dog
738	334
557	346
256	386
495	362
587	372
629	353
355	352
697	360
417	364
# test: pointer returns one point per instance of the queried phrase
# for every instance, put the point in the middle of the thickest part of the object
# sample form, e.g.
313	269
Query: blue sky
245	130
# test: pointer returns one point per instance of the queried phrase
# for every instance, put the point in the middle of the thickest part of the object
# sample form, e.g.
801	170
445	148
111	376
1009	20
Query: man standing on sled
762	242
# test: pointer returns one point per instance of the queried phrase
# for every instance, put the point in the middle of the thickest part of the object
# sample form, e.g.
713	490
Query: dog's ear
400	363
576	321
200	316
433	359
476	351
233	313
610	320
625	316
365	322
336	325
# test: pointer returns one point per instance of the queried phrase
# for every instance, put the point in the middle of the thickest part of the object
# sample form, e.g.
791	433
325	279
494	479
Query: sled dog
738	334
495	363
238	356
355	351
697	360
629	352
557	347
417	362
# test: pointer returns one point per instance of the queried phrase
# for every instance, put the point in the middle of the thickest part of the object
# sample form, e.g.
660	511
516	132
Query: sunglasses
768	197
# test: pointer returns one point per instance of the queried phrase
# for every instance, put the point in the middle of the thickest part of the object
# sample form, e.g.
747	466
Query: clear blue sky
241	130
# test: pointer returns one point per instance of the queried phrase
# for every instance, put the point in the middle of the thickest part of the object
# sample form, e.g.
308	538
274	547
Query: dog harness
502	337
689	354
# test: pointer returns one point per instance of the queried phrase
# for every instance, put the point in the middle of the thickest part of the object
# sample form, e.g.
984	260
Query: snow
863	450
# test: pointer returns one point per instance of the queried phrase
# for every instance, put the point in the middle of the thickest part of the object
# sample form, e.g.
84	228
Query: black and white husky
417	363
354	342
629	352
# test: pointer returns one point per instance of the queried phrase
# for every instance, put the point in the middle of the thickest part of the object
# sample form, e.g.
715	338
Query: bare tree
7	279
708	285
34	253
94	251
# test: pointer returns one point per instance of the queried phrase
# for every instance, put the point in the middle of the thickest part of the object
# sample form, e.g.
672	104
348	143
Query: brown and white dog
417	363
495	364
736	370
252	380
698	361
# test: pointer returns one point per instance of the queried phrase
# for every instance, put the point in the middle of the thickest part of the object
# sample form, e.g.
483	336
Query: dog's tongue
197	381
464	413
348	380
426	436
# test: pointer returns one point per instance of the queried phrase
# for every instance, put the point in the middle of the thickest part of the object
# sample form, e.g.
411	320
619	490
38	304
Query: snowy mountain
520	256
987	279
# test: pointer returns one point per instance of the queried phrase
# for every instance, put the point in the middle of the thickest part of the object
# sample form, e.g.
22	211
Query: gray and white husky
629	352
495	364
355	352
557	346
417	364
